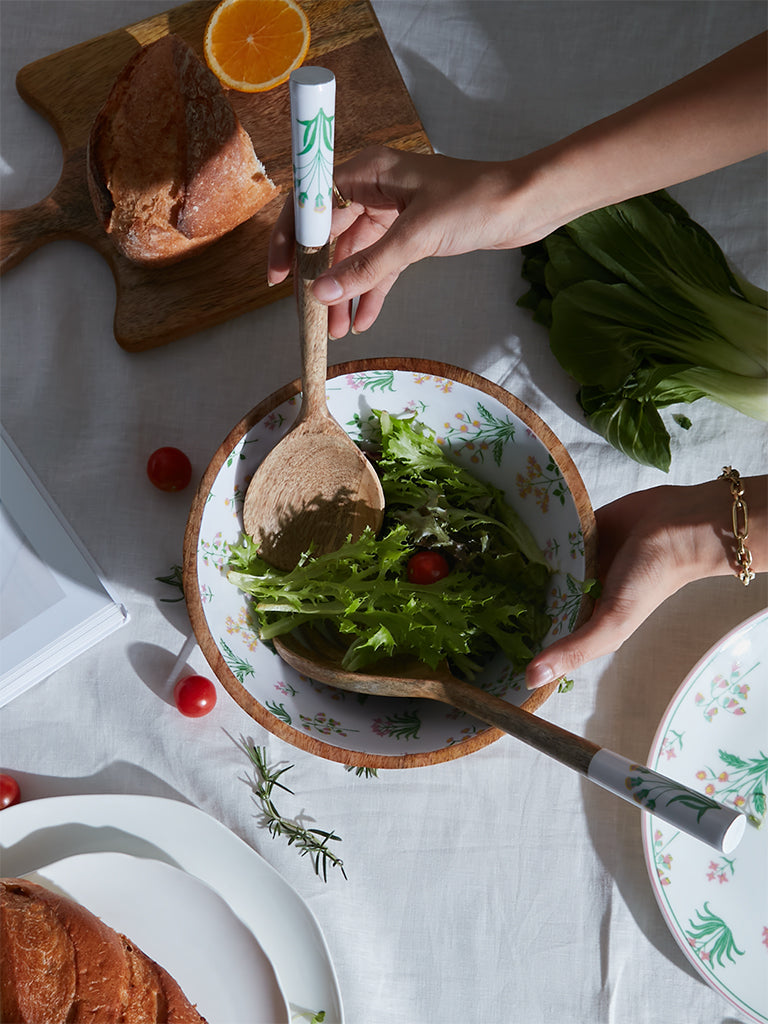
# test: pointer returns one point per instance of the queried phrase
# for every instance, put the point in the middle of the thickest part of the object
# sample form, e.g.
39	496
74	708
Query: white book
54	602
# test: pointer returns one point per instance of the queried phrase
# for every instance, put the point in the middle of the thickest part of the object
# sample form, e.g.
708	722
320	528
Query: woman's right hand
402	208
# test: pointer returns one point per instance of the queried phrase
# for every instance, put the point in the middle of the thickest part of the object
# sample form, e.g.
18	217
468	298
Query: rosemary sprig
362	772
175	578
312	842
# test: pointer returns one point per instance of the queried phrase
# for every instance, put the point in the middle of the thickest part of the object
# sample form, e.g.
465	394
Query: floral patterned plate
715	733
481	425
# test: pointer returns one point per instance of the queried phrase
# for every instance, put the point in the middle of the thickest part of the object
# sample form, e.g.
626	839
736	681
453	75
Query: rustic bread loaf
170	167
59	962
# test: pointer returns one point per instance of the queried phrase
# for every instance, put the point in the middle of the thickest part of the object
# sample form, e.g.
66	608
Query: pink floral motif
672	742
324	724
216	551
274	420
662	857
720	870
727	694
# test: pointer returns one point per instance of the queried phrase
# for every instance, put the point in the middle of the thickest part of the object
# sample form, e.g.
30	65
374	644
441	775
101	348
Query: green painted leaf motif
239	667
648	789
542	484
278	710
377	380
743	784
310	134
712	939
404	726
480	434
327	126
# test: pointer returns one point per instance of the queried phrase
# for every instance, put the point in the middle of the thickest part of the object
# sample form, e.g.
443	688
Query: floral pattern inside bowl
501	440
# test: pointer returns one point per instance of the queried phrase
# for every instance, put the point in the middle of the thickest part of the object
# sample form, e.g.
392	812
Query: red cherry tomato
427	567
9	791
169	469
195	696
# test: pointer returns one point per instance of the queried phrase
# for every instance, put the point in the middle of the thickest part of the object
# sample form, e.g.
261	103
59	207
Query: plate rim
207	643
647	824
166	825
119	857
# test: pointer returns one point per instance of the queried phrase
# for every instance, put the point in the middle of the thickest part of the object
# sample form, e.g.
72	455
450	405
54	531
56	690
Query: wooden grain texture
193	598
158	305
315	488
407	678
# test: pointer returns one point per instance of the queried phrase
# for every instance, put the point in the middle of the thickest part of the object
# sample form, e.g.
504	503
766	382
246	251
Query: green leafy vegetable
644	311
493	599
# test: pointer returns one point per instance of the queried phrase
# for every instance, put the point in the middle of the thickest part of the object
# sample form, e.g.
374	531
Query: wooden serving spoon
316	487
705	819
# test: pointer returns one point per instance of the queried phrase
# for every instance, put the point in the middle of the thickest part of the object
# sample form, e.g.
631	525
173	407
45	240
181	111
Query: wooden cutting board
155	306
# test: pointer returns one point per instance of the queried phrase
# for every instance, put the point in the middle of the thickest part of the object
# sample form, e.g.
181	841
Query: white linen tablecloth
500	887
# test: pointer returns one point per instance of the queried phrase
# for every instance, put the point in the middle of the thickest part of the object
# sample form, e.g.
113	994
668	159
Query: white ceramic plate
40	832
181	924
715	737
483	427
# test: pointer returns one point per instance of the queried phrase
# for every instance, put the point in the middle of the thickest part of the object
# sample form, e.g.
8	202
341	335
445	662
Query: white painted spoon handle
313	119
313	116
698	815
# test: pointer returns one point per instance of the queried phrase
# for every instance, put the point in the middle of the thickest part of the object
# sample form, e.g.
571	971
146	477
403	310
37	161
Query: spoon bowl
316	487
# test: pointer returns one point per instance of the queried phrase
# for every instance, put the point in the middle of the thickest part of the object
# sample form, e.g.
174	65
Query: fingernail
327	289
538	675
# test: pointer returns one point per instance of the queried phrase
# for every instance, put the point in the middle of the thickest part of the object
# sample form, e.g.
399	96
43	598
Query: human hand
402	208
651	543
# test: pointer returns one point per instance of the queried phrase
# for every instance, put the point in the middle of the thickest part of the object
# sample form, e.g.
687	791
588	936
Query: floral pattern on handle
654	792
313	165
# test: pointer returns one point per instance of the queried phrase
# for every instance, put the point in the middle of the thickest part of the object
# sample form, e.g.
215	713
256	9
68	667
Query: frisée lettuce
493	599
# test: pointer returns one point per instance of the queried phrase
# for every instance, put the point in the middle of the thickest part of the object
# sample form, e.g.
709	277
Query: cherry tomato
169	469
9	791
427	567
195	696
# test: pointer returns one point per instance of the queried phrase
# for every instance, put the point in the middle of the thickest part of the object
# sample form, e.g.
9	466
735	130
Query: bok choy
644	312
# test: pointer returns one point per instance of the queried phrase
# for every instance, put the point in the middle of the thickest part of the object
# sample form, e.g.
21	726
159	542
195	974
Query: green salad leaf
493	599
644	311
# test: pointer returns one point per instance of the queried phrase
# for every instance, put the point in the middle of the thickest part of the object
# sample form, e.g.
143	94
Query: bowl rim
194	602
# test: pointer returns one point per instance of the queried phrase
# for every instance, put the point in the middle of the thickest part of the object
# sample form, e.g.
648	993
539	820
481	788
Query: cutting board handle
23	231
67	212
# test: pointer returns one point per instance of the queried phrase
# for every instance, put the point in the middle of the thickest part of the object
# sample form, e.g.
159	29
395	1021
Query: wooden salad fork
313	655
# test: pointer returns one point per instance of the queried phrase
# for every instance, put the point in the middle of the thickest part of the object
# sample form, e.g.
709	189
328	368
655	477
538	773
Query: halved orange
254	45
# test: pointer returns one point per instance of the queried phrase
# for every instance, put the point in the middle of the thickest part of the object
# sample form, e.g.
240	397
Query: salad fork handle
698	815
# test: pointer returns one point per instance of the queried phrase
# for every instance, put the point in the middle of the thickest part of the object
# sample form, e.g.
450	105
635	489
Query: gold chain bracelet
740	521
